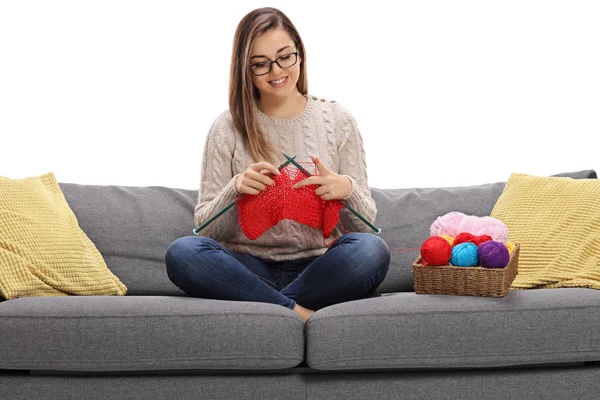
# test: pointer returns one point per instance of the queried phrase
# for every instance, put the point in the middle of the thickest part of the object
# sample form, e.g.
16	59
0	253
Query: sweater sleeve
353	165
217	183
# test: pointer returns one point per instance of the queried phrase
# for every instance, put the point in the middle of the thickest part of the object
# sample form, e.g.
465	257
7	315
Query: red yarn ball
463	237
436	251
481	239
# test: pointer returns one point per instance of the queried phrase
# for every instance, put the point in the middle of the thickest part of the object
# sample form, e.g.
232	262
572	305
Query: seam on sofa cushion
128	361
549	352
448	312
155	316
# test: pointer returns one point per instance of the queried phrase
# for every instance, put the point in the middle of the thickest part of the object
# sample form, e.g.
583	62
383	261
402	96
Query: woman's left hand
331	185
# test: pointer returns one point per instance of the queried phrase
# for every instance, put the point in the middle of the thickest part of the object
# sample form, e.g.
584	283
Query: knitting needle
227	207
377	230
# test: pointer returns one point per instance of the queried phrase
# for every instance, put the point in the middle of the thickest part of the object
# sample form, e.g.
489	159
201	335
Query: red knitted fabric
258	213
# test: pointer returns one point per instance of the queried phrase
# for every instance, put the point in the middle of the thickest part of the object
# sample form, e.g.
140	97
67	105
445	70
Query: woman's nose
275	65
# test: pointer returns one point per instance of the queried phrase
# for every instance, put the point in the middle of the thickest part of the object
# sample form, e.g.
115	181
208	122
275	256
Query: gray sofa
158	343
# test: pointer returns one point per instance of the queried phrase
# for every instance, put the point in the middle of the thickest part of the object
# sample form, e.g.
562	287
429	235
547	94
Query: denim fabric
352	268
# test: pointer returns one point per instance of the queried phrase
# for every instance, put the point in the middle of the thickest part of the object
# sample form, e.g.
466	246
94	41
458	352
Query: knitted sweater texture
324	128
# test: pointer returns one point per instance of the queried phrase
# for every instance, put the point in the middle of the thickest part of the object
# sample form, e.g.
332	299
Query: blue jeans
351	268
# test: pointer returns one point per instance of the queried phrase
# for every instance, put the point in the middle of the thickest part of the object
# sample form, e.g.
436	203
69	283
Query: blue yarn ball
464	255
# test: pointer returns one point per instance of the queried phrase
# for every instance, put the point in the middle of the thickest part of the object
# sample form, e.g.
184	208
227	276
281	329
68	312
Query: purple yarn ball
493	254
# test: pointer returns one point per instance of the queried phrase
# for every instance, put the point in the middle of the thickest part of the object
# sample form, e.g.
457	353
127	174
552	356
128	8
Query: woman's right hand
254	179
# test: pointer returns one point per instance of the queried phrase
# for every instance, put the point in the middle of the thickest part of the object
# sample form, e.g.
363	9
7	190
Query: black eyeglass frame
275	61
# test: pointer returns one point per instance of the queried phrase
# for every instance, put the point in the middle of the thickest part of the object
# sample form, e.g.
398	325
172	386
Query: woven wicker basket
465	281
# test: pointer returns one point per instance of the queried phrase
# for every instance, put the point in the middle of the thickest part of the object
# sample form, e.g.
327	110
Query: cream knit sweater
325	129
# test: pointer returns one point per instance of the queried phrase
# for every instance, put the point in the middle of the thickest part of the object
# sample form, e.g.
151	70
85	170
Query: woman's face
268	47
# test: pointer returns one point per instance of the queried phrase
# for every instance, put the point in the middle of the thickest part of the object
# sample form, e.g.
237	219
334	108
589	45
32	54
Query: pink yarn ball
455	222
484	226
447	224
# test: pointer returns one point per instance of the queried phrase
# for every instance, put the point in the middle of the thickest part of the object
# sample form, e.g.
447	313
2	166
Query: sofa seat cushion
413	331
138	333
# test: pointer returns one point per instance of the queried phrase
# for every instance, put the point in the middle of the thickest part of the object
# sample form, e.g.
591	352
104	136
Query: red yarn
258	213
436	251
481	239
463	237
469	237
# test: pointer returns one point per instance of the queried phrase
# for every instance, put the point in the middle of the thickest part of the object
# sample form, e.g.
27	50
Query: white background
445	93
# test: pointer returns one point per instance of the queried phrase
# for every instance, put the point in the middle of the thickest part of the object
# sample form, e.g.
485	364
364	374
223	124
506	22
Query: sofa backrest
133	226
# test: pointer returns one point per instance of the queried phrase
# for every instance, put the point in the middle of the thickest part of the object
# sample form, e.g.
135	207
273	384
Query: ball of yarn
463	237
449	238
436	250
456	222
464	255
446	224
510	246
481	238
484	226
493	254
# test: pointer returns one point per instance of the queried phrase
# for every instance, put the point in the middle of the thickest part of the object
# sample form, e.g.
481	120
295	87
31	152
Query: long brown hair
243	95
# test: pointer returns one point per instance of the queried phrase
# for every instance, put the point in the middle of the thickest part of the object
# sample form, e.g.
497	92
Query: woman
270	113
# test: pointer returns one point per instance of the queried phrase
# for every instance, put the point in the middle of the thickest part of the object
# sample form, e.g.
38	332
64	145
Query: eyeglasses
284	61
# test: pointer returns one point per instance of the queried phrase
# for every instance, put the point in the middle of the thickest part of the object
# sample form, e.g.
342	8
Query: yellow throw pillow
556	221
43	251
